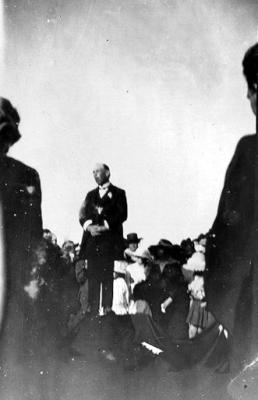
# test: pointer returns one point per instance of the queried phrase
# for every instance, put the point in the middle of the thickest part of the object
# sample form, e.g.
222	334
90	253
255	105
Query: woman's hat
9	122
163	244
173	251
133	238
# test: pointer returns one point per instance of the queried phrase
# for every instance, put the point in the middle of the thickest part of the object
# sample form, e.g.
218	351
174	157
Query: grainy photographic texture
153	88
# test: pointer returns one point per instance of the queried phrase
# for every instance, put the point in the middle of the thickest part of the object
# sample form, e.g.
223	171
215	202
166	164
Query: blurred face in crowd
54	239
251	95
203	241
133	246
155	274
139	260
47	235
147	267
171	270
161	254
189	249
77	250
41	256
101	175
68	250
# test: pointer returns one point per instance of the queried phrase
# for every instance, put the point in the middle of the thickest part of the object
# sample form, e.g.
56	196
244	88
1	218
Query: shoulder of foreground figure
247	140
19	165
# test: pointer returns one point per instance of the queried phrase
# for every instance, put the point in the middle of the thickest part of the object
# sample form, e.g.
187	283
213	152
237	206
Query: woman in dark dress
166	294
177	311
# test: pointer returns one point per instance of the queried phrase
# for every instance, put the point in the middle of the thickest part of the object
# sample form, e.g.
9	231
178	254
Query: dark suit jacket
229	249
113	208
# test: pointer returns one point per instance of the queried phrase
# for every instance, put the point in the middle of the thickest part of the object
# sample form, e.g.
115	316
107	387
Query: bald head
101	173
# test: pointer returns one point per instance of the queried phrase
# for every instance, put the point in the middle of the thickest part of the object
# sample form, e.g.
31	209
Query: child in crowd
198	317
121	291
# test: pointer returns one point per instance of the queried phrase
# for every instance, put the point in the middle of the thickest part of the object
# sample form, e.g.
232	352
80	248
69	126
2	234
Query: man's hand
102	229
165	304
94	230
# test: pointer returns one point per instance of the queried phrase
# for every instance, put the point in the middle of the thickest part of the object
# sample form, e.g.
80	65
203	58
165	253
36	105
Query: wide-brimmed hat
163	244
133	238
9	122
170	250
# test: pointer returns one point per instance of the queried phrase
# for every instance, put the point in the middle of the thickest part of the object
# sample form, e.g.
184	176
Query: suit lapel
108	195
96	196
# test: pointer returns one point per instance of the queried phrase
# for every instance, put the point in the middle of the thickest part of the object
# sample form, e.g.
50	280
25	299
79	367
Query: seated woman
165	295
176	310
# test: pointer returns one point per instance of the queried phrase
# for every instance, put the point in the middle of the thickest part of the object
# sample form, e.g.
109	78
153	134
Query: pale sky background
153	88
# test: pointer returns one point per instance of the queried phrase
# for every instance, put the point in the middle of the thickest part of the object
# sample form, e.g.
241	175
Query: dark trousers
100	274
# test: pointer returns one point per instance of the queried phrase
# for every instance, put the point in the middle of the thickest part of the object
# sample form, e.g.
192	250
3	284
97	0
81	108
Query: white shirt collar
105	186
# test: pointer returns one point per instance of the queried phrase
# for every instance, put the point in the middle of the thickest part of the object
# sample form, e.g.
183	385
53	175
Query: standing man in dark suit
102	214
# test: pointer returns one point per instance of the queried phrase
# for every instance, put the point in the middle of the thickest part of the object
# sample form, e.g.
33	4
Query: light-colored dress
137	273
120	303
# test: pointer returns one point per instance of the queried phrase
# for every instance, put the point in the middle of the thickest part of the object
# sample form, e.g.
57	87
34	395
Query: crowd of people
163	283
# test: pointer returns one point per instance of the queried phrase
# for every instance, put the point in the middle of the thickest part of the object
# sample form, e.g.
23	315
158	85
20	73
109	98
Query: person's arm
86	217
165	304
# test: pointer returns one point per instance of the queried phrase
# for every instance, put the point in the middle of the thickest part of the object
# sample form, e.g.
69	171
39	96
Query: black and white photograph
128	200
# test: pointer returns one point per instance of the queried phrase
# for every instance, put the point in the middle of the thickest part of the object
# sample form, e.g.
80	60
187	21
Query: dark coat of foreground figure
20	195
232	249
231	286
21	199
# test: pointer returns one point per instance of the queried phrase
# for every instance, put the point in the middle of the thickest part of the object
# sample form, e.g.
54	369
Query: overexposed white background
153	88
